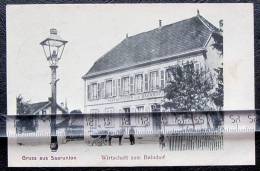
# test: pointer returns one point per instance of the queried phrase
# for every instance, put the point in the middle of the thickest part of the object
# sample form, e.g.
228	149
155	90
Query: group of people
120	136
132	138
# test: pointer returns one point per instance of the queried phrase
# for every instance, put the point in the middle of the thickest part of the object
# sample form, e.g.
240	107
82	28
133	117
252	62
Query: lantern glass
53	47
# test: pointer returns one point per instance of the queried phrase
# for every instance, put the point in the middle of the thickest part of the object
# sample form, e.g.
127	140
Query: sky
91	31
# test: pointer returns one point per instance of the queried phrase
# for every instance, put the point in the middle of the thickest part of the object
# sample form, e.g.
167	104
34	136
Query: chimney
126	36
160	23
221	25
198	12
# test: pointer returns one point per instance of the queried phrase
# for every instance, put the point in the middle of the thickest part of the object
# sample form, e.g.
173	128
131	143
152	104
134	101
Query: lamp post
53	48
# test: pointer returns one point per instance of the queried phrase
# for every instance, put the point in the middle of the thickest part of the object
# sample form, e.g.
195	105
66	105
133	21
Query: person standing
132	136
161	141
120	136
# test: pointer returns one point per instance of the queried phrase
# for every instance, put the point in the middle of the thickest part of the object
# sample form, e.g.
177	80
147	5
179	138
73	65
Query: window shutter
142	83
150	81
98	91
162	79
105	95
102	90
114	88
119	87
157	80
122	86
135	84
88	92
131	85
146	85
105	89
166	76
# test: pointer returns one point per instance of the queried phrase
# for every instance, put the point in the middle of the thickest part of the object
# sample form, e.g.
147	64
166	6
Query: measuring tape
116	124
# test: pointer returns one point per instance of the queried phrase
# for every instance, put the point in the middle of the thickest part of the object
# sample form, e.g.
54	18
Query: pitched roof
34	107
180	37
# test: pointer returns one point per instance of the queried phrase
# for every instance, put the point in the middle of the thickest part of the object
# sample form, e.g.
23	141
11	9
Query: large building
131	76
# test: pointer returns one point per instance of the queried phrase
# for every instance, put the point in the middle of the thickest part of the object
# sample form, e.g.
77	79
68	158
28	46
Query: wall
145	99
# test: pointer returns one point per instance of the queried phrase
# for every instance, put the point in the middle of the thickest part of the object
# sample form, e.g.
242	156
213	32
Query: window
91	120
108	122
93	91
188	67
98	90
140	109
109	110
44	112
154	80
169	75
146	86
139	83
142	118
94	111
126	117
162	79
107	117
88	92
125	85
155	107
108	88
197	66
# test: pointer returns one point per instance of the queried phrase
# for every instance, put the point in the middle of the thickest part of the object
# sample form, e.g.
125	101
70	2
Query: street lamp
53	48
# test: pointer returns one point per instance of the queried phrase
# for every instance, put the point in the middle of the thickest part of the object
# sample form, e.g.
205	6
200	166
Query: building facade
131	77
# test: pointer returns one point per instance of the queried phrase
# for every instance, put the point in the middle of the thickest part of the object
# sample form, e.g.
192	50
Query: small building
36	121
43	108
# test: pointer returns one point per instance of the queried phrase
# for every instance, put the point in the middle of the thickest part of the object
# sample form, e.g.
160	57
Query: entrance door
156	114
126	117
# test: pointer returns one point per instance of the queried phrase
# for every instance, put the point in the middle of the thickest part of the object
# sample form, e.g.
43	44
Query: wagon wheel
99	142
104	142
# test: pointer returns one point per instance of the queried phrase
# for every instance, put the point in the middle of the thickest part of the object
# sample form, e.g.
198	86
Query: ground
146	152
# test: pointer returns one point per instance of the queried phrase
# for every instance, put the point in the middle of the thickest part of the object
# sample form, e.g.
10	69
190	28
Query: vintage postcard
130	85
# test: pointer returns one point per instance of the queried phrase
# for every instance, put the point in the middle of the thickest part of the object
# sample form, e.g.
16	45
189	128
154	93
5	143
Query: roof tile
171	39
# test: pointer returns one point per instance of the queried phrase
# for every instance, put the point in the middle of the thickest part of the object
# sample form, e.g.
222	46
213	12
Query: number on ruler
235	118
107	121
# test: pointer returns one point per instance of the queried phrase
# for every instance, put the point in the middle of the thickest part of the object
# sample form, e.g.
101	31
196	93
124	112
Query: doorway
156	115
